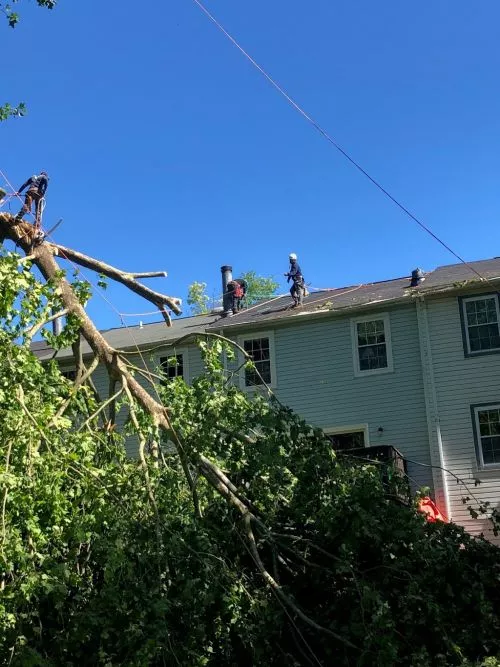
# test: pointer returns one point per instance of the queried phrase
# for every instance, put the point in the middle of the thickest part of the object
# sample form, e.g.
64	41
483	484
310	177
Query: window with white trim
69	374
371	341
260	349
173	366
487	432
481	323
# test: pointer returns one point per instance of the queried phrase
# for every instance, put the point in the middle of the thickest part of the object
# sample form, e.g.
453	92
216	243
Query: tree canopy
106	560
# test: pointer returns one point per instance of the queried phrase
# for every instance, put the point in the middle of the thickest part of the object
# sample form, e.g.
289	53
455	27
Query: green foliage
7	8
259	288
103	564
197	298
6	111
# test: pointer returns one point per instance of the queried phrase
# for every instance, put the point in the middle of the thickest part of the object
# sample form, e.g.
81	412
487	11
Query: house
384	363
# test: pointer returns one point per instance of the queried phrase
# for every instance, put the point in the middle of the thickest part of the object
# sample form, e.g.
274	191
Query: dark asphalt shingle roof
124	338
449	277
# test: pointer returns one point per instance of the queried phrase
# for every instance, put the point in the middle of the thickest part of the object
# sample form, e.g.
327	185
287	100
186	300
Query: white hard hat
292	255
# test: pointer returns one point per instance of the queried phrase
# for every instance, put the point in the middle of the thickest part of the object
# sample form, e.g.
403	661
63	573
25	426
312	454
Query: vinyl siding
315	376
461	382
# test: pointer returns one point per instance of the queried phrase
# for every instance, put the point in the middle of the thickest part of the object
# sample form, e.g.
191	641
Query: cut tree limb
43	256
124	277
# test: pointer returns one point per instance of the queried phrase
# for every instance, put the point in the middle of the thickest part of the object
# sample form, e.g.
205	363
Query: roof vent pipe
56	324
227	276
417	276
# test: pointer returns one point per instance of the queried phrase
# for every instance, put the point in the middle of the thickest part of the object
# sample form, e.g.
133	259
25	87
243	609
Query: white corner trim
439	476
388	342
272	355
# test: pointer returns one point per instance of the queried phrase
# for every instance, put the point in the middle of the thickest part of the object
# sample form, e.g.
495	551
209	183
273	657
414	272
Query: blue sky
167	150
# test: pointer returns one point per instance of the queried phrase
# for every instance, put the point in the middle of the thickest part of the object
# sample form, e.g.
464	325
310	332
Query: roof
123	338
445	278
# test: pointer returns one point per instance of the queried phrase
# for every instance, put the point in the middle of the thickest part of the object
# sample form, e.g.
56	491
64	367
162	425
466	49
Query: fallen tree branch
124	277
43	256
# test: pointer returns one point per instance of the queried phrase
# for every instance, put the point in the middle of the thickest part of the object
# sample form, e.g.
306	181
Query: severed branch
43	256
126	278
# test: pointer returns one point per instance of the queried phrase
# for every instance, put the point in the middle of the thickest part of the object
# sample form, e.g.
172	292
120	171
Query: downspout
439	476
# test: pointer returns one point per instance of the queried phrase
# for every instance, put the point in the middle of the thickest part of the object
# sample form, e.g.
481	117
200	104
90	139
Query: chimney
227	276
417	276
56	325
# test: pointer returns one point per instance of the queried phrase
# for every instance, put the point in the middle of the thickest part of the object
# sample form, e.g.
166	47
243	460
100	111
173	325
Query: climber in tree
37	187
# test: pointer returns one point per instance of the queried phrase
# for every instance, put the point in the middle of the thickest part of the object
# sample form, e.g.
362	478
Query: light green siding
315	376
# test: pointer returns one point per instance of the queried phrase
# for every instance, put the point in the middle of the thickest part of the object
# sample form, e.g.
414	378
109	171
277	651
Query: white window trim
241	341
466	326
388	342
335	430
173	351
477	410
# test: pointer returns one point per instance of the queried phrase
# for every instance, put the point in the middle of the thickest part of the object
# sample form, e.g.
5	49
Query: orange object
428	507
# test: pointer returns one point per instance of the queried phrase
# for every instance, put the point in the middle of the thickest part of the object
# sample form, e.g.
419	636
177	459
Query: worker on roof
298	288
37	187
237	289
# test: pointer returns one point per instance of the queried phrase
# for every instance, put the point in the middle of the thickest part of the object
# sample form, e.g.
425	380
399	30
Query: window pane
371	333
482	324
347	440
372	356
259	351
491	450
173	366
484	337
489	428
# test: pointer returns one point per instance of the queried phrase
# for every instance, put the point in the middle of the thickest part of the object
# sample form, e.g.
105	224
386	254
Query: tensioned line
332	141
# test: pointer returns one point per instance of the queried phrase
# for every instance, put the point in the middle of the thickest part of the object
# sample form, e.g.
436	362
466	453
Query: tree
6	111
259	288
249	543
197	298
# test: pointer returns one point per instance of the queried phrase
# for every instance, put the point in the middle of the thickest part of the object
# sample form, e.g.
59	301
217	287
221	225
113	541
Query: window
173	366
348	437
260	350
69	374
486	421
480	323
371	345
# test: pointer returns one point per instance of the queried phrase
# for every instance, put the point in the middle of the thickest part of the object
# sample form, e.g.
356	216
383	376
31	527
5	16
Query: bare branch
128	279
36	328
149	274
79	380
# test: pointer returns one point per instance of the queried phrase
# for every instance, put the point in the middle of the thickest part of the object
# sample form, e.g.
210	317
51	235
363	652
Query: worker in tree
237	288
37	187
295	274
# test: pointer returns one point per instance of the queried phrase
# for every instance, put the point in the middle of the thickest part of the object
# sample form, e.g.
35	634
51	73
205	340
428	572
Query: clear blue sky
167	150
